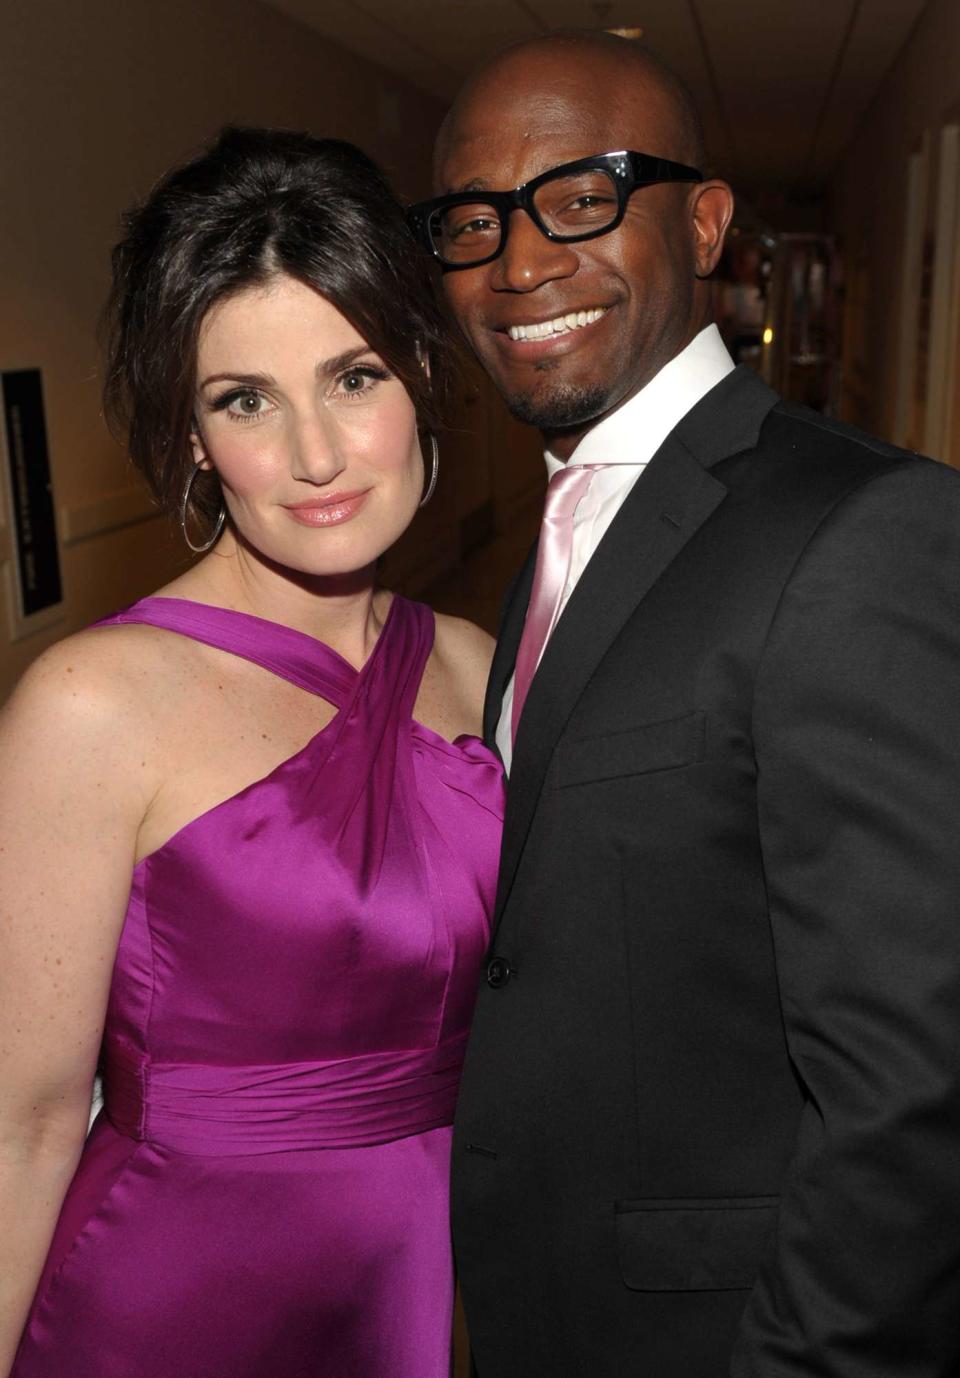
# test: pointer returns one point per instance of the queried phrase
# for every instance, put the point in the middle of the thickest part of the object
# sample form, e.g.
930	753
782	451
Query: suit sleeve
857	738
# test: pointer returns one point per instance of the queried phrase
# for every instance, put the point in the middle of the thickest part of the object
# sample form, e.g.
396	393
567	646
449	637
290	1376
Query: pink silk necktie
566	489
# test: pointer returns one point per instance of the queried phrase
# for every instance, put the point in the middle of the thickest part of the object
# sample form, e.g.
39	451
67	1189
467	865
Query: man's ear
712	210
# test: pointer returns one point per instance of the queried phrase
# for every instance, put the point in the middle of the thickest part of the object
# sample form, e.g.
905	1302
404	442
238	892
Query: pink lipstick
330	510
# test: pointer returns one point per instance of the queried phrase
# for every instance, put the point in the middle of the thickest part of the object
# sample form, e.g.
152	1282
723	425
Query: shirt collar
634	432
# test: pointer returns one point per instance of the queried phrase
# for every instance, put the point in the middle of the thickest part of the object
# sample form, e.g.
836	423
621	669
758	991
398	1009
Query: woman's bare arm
73	788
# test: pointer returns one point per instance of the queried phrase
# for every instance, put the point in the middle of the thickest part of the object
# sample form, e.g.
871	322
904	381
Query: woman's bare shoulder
464	645
92	691
464	652
463	635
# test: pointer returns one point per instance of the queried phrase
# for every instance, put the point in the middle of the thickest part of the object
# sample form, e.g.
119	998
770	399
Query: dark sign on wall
31	496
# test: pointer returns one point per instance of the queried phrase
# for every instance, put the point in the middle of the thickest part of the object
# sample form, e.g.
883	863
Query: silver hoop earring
434	470
185	502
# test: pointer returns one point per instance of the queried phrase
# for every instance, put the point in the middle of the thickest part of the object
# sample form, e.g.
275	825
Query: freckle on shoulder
83	693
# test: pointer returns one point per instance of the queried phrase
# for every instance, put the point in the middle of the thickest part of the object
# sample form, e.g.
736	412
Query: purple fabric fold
266	1191
350	1102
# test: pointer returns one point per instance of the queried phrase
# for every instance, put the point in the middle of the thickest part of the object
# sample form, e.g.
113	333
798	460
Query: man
710	1119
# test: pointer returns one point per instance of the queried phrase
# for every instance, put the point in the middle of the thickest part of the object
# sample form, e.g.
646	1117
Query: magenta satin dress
265	1192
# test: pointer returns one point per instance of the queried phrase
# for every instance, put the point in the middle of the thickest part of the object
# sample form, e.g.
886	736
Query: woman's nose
317	450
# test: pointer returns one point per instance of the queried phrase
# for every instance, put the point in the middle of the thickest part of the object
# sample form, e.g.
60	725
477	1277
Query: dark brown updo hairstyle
258	203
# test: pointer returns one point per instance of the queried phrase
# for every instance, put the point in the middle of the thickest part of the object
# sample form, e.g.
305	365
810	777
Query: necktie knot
565	489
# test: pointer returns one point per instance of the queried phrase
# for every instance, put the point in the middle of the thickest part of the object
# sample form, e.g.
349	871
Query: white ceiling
783	84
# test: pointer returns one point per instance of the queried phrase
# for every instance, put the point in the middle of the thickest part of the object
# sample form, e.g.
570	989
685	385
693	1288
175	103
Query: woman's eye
246	405
357	382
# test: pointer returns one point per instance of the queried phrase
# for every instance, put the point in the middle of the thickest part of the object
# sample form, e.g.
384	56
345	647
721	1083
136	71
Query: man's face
524	118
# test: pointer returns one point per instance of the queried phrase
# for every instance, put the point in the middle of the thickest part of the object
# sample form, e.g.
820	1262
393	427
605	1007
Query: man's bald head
621	69
569	327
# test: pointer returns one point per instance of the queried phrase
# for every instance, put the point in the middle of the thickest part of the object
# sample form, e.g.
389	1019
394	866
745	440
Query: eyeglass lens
570	207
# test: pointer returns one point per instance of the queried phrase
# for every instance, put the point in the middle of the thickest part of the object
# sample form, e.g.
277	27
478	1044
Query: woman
278	750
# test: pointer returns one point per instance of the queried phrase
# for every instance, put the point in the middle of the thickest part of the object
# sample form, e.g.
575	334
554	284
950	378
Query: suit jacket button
499	972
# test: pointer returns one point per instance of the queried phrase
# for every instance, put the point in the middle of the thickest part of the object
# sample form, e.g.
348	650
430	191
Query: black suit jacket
710	1117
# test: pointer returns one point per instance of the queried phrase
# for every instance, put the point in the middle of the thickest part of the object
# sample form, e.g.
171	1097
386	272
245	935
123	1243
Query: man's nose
318	454
529	258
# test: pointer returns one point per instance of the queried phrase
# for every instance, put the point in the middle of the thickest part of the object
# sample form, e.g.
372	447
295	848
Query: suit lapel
670	501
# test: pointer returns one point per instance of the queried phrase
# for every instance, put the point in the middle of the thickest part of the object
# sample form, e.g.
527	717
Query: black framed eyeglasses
572	202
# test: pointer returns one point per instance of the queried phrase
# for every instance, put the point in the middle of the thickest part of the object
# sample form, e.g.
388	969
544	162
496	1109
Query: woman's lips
329	511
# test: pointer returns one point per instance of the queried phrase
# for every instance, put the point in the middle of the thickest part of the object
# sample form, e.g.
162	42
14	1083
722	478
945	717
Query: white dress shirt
627	440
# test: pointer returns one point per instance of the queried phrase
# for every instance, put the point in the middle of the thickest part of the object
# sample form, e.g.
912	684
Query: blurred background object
837	121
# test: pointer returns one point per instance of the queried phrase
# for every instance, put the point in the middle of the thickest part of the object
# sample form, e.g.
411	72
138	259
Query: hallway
840	132
838	124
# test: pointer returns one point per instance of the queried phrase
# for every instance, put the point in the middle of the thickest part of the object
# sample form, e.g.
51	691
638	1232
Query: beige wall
920	93
96	101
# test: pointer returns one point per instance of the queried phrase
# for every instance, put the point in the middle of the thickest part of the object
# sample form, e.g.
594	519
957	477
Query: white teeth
560	326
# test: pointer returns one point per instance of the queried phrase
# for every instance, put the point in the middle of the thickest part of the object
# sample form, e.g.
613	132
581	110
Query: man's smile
559	325
529	341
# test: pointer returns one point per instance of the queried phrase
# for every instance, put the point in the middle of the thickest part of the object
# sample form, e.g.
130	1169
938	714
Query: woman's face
313	439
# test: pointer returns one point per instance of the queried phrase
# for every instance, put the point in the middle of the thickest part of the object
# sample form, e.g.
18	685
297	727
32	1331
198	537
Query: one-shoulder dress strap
293	655
365	775
395	676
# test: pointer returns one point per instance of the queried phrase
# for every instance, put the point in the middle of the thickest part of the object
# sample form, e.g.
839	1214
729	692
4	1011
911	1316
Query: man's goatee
565	409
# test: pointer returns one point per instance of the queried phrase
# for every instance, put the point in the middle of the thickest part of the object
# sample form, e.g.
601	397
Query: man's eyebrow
481	183
474	184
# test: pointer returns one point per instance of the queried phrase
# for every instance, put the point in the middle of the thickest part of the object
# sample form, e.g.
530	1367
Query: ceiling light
626	33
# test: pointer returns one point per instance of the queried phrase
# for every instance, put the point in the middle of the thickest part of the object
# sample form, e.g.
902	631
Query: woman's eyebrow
344	360
265	380
254	380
